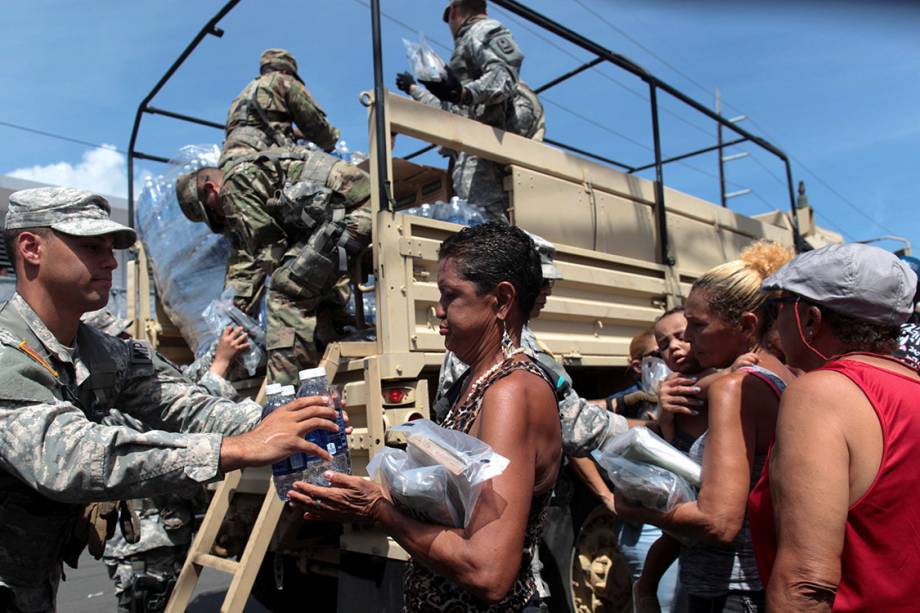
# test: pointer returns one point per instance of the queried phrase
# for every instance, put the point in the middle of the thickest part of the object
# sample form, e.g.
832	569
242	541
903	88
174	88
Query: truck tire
582	562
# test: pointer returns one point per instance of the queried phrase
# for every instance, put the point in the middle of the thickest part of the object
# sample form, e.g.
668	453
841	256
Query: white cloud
102	170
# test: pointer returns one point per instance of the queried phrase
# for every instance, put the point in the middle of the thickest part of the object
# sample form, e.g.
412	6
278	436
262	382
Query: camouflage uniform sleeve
53	447
161	397
246	277
258	237
420	94
310	118
217	386
499	59
200	372
585	426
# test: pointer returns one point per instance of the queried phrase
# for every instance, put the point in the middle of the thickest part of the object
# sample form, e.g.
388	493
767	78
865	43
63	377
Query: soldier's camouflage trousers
308	277
481	182
143	582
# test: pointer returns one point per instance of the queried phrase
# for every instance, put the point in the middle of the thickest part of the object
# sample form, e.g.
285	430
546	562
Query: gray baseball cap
547	254
861	281
68	210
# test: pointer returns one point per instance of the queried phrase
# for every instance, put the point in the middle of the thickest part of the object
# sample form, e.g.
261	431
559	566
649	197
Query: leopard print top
428	592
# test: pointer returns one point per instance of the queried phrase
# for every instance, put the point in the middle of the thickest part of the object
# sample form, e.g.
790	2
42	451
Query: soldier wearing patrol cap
269	108
297	216
59	378
482	83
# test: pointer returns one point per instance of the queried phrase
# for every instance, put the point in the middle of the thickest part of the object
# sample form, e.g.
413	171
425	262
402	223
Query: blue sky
832	83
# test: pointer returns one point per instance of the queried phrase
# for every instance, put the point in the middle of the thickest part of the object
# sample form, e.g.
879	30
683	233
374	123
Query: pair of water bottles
301	466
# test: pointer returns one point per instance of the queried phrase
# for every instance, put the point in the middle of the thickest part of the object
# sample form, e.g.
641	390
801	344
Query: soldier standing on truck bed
301	216
273	110
59	378
482	83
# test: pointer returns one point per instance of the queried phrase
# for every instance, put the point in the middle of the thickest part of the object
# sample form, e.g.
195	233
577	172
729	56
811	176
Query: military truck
628	248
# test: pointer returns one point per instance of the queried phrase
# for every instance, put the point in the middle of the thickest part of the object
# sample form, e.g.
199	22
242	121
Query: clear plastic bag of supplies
439	477
654	371
426	64
221	313
647	485
187	259
643	445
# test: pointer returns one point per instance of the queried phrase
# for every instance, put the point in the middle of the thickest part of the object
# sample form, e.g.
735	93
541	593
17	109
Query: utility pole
723	195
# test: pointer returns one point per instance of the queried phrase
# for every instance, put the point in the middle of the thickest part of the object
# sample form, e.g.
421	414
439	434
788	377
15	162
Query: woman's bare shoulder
521	395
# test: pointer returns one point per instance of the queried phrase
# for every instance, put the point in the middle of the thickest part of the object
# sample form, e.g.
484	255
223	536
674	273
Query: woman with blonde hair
727	316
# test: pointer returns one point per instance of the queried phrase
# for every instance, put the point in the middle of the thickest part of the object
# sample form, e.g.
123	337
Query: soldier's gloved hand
637	398
404	82
448	90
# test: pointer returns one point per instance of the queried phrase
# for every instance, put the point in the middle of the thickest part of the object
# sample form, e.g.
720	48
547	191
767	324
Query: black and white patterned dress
424	590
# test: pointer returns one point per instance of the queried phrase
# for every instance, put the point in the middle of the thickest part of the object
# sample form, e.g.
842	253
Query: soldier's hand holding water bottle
281	434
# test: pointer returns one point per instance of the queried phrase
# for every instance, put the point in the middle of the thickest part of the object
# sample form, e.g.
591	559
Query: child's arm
591	477
661	555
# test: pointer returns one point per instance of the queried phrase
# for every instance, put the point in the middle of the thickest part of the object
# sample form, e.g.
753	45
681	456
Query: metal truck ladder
244	572
199	556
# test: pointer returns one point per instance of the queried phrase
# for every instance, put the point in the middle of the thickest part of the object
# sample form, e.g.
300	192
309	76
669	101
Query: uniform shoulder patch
141	353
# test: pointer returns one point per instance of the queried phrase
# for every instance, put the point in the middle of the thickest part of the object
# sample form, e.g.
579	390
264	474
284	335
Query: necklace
485	376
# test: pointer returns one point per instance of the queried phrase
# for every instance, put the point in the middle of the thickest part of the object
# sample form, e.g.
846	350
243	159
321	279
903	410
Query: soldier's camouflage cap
65	209
476	5
280	58
104	321
187	195
547	253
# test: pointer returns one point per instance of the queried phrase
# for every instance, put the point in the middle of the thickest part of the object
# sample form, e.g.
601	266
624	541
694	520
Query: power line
60	137
703	88
408	27
597	70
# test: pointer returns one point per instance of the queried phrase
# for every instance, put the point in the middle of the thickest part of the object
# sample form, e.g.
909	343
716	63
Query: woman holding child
726	318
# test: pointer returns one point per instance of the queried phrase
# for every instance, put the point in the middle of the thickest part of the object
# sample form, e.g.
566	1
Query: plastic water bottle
342	152
313	383
283	472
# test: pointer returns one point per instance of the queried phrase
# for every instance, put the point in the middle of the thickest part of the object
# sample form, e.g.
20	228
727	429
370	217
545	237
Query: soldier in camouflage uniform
273	110
144	572
59	379
482	83
585	426
302	216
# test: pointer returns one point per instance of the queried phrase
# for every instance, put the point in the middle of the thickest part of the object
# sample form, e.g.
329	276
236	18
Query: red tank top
880	563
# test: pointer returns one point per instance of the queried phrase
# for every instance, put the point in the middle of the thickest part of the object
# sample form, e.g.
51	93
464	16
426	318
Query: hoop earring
508	347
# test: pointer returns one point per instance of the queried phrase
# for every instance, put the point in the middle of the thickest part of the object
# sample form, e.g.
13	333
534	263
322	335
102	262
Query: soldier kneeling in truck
300	215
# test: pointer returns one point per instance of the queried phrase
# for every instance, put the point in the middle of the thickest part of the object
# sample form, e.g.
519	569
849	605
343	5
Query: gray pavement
88	589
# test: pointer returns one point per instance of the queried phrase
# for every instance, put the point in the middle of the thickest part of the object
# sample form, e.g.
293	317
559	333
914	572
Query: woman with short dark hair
489	277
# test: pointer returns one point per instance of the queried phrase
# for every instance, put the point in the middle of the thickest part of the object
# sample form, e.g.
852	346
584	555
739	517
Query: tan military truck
628	247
